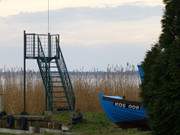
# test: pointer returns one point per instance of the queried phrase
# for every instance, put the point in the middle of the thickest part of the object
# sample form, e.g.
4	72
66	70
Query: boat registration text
124	105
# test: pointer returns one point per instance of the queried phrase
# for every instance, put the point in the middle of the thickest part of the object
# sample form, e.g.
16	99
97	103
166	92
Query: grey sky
13	7
91	37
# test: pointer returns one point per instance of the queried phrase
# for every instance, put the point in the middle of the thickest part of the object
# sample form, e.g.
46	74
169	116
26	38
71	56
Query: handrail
41	34
65	67
46	73
68	84
39	47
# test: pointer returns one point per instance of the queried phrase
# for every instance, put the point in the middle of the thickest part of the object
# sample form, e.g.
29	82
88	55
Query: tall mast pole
48	16
24	106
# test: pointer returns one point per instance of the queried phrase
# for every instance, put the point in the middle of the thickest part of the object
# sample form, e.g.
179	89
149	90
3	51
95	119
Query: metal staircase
58	88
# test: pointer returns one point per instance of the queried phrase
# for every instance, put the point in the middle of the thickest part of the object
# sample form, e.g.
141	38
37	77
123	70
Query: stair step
55	76
54	72
60	101
58	91
61	108
53	67
60	105
56	105
57	86
56	82
60	97
53	61
56	79
64	108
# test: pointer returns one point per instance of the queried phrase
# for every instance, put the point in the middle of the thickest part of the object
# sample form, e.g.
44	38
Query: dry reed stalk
36	98
87	86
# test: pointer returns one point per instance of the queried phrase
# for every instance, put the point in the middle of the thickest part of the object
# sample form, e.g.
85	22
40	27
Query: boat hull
123	112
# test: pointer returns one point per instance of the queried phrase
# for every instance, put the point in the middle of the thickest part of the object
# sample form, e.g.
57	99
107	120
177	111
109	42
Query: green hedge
161	86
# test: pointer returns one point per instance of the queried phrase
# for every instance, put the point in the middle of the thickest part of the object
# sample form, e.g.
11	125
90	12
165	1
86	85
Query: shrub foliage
161	86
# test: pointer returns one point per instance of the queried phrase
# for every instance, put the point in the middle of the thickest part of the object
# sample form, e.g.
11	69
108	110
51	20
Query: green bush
161	86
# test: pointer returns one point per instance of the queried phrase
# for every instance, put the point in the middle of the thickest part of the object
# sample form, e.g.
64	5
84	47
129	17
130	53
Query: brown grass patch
86	86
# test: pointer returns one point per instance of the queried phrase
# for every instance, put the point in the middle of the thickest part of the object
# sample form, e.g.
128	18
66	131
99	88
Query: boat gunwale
122	101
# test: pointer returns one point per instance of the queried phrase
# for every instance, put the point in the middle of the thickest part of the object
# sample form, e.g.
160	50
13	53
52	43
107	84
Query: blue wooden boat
124	112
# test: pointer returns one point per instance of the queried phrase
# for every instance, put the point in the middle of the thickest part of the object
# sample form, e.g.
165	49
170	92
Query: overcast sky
94	33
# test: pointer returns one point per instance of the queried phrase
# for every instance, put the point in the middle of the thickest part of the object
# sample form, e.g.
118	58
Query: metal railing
48	45
45	73
65	77
45	48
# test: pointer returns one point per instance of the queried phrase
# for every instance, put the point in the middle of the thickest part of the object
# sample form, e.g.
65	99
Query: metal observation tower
45	49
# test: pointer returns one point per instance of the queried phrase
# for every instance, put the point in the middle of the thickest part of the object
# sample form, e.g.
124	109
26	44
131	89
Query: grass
6	134
97	124
87	85
94	123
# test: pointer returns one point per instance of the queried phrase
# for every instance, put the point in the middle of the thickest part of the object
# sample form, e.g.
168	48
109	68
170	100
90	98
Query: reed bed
87	85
